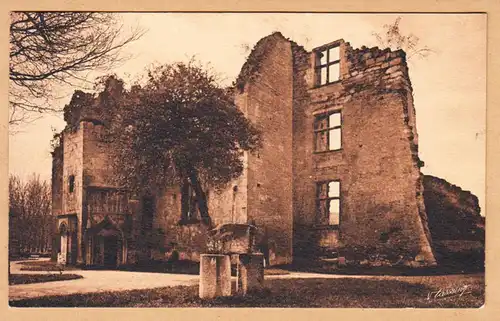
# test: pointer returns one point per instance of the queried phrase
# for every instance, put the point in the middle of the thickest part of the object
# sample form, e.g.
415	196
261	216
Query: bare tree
49	49
30	219
394	39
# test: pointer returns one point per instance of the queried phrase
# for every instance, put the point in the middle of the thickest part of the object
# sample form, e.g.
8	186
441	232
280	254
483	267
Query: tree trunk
184	200
201	197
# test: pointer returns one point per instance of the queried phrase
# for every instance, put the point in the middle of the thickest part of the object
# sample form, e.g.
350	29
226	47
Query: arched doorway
110	243
105	245
67	243
62	257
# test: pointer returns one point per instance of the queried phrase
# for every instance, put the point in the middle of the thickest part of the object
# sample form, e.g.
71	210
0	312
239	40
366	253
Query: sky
449	85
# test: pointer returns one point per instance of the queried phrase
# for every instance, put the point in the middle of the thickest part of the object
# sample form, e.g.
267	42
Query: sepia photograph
246	159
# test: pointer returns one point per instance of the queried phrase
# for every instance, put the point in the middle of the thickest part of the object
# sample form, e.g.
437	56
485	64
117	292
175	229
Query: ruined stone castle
338	172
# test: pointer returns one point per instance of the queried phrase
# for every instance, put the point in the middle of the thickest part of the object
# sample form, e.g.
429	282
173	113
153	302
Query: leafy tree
181	127
394	39
48	49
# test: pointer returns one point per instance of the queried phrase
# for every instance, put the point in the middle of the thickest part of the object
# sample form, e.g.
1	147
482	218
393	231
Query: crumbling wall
190	239
85	153
267	81
454	214
381	205
455	223
384	166
88	107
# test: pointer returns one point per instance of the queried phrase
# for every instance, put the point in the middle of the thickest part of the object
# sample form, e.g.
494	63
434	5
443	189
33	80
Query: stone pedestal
250	272
215	276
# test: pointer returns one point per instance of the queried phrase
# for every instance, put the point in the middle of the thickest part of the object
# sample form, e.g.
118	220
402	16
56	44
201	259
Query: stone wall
454	214
263	193
57	180
57	194
381	206
268	90
304	237
230	205
456	225
190	238
98	161
72	202
384	207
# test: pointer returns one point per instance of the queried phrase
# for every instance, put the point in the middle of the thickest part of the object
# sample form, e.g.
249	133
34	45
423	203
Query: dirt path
96	281
100	281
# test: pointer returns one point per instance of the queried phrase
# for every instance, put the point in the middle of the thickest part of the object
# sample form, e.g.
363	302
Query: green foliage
181	124
155	239
55	142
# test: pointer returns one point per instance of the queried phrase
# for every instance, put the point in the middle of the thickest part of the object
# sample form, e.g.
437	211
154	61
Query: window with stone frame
148	213
107	201
328	65
328	132
189	203
71	183
328	203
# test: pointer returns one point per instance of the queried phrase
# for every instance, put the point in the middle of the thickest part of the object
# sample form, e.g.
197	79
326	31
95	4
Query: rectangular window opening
328	203
71	183
190	209
328	132
328	65
107	201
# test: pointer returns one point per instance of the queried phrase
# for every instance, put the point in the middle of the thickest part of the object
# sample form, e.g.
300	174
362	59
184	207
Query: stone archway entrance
110	248
106	246
62	257
67	242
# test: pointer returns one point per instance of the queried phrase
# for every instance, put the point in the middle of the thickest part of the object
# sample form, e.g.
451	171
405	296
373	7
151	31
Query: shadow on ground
15	279
445	267
343	292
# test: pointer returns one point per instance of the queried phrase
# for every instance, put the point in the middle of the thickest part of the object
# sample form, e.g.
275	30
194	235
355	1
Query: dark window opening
71	183
189	203
107	201
328	203
328	132
328	65
148	209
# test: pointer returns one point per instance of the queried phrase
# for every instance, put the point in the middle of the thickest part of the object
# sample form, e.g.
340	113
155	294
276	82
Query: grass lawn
39	278
376	292
43	266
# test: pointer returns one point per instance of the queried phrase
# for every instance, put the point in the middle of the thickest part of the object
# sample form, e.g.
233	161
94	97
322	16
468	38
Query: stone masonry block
215	276
250	272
